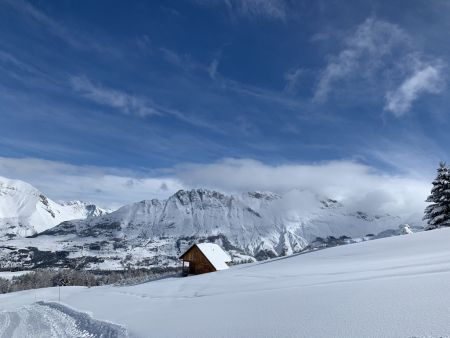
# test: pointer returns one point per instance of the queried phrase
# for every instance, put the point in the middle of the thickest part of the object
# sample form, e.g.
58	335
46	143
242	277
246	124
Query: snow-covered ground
54	320
392	287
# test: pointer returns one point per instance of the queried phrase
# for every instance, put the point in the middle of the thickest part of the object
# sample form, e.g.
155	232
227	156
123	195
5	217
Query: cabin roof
214	253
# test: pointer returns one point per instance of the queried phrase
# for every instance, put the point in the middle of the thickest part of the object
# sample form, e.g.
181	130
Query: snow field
392	287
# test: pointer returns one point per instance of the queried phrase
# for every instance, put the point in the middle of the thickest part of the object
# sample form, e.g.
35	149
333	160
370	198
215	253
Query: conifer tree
437	213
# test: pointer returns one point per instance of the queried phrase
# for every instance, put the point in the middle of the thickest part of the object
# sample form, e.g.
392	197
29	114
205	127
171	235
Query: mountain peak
266	195
24	210
9	185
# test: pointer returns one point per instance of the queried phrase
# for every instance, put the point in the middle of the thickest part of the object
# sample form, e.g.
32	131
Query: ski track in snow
49	320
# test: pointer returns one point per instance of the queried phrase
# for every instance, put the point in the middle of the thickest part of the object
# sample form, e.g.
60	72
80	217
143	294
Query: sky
115	102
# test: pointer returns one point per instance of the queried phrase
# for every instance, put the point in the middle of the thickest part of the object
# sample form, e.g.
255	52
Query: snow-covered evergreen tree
437	213
405	229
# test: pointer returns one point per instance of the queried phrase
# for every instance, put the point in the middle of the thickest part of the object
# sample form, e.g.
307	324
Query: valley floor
392	287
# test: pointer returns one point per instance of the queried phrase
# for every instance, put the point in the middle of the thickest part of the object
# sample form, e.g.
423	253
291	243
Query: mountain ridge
25	211
250	226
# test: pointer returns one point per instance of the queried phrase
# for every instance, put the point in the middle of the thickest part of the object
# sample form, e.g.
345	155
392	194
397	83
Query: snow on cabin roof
216	256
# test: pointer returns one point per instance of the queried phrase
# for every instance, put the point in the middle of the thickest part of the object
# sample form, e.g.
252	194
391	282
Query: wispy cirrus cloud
190	65
363	53
268	9
75	39
39	16
125	102
25	71
183	61
292	78
424	77
132	104
213	69
263	94
376	53
11	60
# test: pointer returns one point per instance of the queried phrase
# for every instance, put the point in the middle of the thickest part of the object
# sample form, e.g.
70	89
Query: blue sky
161	91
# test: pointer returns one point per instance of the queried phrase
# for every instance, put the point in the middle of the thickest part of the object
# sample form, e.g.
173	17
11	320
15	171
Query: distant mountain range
25	211
153	233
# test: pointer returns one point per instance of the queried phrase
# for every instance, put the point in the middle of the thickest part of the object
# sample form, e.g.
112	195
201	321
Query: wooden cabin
203	258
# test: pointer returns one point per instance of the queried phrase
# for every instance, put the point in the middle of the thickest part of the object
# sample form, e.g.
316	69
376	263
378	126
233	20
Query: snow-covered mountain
250	226
25	211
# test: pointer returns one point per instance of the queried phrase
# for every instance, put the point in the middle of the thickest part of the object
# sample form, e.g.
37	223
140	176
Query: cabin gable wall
198	263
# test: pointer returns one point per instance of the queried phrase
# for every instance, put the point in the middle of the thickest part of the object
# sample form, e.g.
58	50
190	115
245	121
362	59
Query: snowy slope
24	210
392	287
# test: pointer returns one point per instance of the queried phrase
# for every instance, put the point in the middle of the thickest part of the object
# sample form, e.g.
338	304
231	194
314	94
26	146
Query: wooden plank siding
198	263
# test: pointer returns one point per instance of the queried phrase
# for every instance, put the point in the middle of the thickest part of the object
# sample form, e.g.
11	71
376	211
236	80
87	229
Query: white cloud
292	78
275	9
424	78
109	187
268	95
343	180
354	184
53	26
14	61
145	43
212	69
363	53
70	36
182	61
185	62
125	102
378	53
133	104
411	154
270	9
